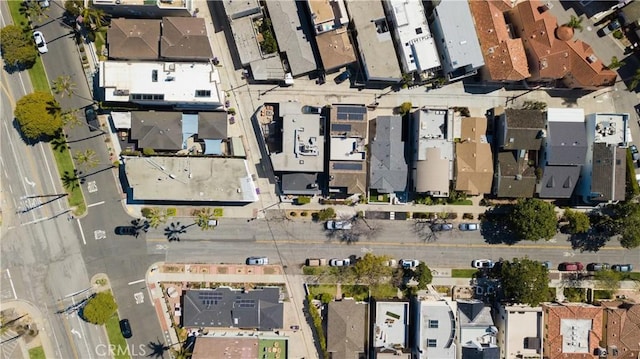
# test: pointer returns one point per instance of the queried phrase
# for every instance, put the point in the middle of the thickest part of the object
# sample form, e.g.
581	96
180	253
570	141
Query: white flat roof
391	324
419	52
609	128
183	179
575	335
345	148
302	143
121	119
178	82
565	115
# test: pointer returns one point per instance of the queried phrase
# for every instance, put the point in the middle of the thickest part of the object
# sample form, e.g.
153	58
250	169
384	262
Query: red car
570	266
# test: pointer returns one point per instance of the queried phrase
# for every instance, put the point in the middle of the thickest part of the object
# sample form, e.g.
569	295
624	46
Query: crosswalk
8	344
28	203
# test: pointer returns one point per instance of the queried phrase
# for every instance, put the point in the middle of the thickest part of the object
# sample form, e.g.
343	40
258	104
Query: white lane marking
83	336
84	241
136	282
46	163
10	189
99	234
95	204
92	187
75	332
35	221
32	184
13	289
139	297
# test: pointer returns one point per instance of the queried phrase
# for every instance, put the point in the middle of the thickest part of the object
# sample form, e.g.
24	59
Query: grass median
37	353
121	350
463	273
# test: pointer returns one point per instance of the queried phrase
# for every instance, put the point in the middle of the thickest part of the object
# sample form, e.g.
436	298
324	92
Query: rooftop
348	121
374	39
417	47
474	160
608	174
391	327
134	39
335	49
290	30
184	179
521	129
437	328
166	82
347	329
516	178
238	9
566	136
608	128
389	170
573	330
623	329
234	347
522	331
159	4
433	148
327	15
185	39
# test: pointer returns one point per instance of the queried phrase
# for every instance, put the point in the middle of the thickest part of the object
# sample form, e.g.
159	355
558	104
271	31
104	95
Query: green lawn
462	202
38	77
37	353
268	348
317	290
14	9
116	338
64	162
463	273
631	276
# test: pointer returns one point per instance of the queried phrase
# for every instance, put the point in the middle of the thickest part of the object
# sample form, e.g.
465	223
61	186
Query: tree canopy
627	217
326	214
423	276
608	279
578	221
371	269
38	114
524	281
18	48
99	308
533	219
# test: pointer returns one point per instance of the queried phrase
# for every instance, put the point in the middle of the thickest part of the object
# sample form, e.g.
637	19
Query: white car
41	43
468	226
335	262
482	263
338	225
257	261
409	263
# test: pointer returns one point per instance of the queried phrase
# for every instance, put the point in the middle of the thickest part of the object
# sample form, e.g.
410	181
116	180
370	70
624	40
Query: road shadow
494	226
591	241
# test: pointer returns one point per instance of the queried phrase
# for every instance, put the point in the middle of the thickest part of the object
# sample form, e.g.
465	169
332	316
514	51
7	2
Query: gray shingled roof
567	143
559	181
516	178
608	173
388	164
157	130
134	39
225	307
212	125
185	38
522	129
346	329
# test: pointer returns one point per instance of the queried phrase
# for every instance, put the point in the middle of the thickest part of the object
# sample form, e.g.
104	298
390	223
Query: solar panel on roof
339	127
352	166
351	113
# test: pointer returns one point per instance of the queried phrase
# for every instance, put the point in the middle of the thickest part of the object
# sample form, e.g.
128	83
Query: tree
423	276
38	114
533	219
405	108
326	214
155	215
18	49
99	308
627	223
63	86
575	23
608	279
31	10
615	63
371	269
635	80
524	281
86	158
578	221
94	17
205	218
73	7
70	118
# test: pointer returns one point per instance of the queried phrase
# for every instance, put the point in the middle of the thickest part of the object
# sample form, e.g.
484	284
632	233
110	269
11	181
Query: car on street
570	266
622	267
313	110
612	26
125	328
91	115
43	3
482	263
41	43
390	263
126	231
439	227
468	226
257	261
596	267
337	225
409	263
316	262
634	152
343	77
547	264
335	262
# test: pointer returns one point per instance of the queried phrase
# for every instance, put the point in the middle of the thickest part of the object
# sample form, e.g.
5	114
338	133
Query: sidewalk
45	332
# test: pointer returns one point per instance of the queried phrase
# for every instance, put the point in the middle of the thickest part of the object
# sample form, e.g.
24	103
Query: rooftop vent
592	58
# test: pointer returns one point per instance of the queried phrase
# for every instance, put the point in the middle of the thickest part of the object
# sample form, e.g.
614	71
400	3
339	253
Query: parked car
547	264
126	231
482	263
622	267
335	262
438	227
468	226
311	110
316	262
612	26
634	152
338	225
391	263
257	261
92	118
41	43
570	266
44	3
343	77
596	267
125	328
409	263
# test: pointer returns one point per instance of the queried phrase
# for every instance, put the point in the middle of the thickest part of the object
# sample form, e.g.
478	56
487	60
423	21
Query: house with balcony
389	171
432	162
330	24
348	129
520	331
603	177
572	330
415	45
476	332
389	334
435	329
473	159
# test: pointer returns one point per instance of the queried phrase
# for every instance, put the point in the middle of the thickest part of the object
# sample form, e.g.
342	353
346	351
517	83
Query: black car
92	118
343	77
126	231
125	328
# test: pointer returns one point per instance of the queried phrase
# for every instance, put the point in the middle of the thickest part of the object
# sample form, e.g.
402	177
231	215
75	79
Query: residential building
184	39
436	329
134	39
224	307
347	330
414	44
622	323
374	40
390	330
564	152
290	28
476	332
348	128
456	38
520	331
572	330
149	9
603	177
330	23
298	156
238	346
432	162
630	13
327	15
552	52
505	58
519	136
389	171
474	159
189	179
161	83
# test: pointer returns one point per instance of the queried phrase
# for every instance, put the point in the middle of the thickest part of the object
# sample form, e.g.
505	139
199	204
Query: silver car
257	261
41	43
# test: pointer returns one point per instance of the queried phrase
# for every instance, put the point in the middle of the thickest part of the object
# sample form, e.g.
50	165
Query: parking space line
84	241
13	289
95	204
136	282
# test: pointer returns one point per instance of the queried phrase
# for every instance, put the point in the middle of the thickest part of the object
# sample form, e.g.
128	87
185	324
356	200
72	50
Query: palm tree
575	23
635	81
86	158
156	216
94	17
31	10
71	119
63	86
182	353
205	218
615	63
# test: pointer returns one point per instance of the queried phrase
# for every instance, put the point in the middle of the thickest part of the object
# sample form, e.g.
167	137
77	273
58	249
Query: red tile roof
623	329
553	338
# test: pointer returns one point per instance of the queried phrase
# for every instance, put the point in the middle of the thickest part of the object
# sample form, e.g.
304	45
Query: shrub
171	212
304	213
325	298
618	34
99	308
231	111
293	213
148	151
218	212
317	323
303	200
467	216
326	214
452	215
146	211
405	108
420	215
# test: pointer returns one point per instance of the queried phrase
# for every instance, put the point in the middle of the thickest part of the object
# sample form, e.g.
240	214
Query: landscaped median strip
40	82
117	341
